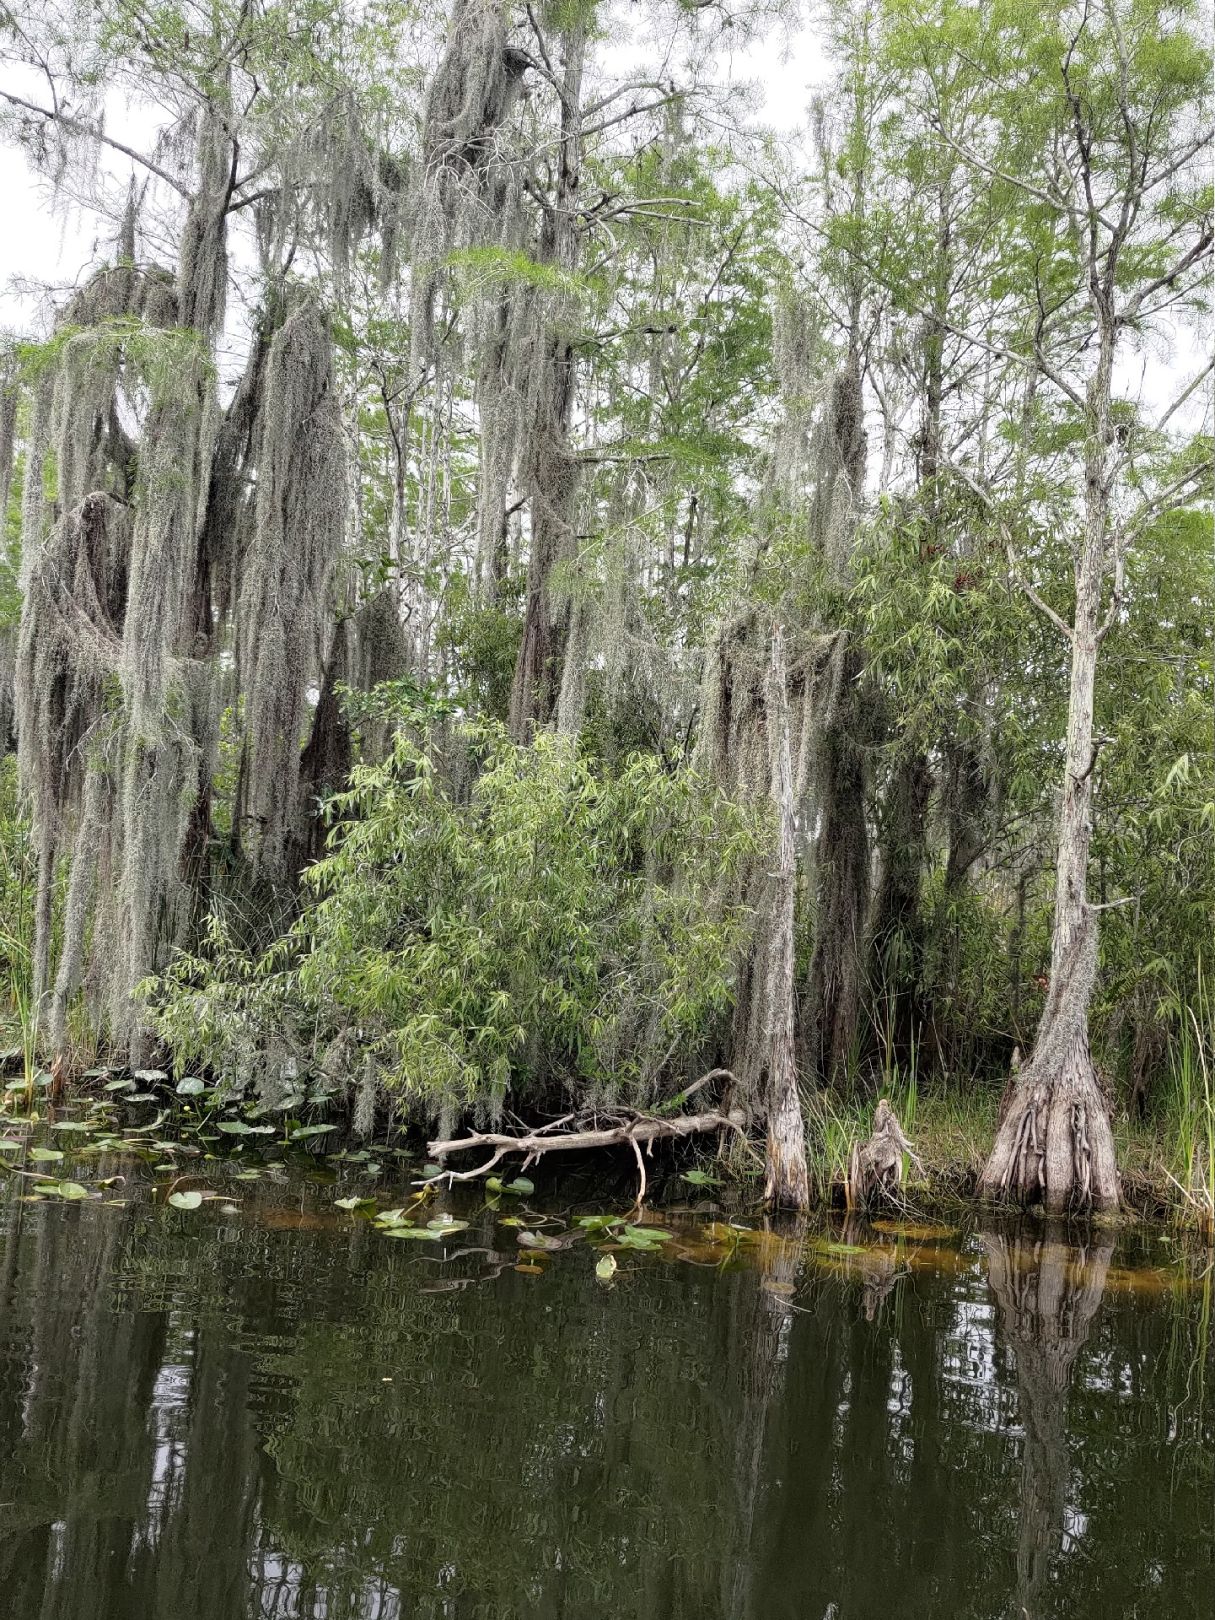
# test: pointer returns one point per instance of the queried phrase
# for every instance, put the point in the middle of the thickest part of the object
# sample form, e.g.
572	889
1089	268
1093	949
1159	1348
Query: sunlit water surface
266	1407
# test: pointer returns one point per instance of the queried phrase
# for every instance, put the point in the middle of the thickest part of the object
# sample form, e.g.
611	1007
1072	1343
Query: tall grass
1191	1110
837	1121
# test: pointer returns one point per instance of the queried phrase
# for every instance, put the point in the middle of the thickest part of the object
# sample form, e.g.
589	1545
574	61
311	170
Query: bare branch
91	132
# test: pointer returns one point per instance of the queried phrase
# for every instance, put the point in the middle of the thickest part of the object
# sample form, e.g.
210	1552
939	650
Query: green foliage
558	927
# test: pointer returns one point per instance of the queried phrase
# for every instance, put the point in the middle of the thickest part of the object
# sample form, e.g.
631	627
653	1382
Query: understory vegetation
521	586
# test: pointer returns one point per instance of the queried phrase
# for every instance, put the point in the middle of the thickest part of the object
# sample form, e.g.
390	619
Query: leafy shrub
557	928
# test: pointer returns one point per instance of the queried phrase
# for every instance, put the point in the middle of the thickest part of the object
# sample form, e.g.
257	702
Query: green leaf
305	1131
45	1155
700	1178
606	1269
537	1240
351	1203
191	1086
420	1232
185	1200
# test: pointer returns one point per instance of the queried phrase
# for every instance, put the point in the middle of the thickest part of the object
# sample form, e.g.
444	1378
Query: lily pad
45	1155
606	1269
191	1086
185	1200
647	1234
537	1240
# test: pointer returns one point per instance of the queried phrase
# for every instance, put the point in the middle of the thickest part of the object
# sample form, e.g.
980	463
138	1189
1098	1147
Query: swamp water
265	1406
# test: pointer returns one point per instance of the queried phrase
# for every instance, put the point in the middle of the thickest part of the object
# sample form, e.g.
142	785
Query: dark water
281	1412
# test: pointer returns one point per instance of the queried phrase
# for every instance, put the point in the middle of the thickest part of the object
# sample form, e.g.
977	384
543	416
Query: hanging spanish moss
284	602
203	265
470	98
68	657
746	744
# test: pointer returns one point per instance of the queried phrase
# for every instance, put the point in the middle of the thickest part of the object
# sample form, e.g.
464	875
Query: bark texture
1054	1145
787	1180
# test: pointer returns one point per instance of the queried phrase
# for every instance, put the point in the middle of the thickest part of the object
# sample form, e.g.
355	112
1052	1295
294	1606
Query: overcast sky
51	241
48	241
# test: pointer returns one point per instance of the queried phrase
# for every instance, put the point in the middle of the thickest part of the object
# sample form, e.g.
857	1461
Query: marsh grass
951	1128
1189	1120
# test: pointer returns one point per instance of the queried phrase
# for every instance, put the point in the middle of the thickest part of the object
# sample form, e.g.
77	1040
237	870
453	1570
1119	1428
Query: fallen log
641	1131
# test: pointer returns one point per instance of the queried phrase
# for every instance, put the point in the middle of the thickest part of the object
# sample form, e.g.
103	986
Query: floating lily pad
185	1200
537	1240
647	1234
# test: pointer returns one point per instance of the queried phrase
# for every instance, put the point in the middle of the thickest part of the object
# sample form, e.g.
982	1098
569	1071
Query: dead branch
631	1133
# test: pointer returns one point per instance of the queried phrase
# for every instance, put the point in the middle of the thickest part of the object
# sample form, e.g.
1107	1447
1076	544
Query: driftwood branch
642	1129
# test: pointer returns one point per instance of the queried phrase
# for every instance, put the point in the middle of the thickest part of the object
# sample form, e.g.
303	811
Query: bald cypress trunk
1054	1144
786	1181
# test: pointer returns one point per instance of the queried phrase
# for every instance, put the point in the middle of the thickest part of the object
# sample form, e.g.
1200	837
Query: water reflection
210	1418
1047	1294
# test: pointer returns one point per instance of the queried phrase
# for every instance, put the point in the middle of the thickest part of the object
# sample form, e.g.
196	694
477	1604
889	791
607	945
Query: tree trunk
1054	1144
786	1181
896	935
552	470
841	882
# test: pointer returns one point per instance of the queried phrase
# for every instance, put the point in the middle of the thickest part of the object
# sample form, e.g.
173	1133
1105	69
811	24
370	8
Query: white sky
53	242
49	241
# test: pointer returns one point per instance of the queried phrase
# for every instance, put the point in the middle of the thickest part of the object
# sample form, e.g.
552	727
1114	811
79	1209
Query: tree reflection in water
1047	1293
273	1416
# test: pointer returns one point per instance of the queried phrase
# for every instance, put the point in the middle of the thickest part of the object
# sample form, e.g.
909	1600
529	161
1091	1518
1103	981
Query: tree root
1055	1147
